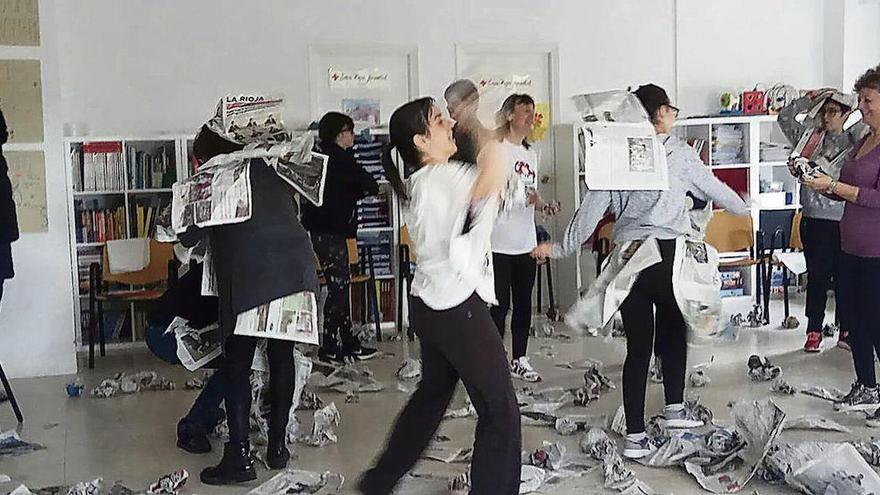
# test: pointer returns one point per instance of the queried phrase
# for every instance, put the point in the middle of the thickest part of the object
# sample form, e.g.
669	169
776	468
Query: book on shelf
701	148
153	170
101	167
145	220
100	225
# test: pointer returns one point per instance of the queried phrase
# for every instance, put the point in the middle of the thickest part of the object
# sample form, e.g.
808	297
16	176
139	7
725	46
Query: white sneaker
636	449
522	369
680	417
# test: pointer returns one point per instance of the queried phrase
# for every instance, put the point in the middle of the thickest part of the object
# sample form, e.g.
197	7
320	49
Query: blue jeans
205	412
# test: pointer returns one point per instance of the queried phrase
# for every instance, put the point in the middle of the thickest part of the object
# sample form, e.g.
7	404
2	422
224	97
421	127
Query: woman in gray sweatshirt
820	223
663	215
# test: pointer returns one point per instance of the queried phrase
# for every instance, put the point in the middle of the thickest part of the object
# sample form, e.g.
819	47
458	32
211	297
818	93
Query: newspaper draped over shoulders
220	192
292	317
618	144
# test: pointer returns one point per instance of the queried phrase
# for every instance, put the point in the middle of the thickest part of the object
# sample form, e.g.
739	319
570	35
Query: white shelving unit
84	250
745	175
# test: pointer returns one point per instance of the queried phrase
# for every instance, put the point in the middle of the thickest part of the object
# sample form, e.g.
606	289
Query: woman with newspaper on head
647	230
450	209
261	263
821	143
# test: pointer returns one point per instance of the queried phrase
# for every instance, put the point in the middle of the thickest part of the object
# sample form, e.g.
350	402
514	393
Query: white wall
861	45
36	320
148	66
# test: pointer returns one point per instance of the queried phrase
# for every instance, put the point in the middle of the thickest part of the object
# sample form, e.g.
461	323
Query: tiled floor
131	438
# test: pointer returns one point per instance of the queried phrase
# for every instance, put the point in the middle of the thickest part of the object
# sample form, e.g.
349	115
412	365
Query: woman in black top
330	225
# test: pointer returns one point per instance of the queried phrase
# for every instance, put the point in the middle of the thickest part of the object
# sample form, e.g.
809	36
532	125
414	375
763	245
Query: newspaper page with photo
216	195
247	119
293	317
195	347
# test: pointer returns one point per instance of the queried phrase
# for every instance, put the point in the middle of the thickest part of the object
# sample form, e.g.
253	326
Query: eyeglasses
673	108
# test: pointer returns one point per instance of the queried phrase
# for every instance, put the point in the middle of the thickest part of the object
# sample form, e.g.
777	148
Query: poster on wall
19	23
21	99
27	172
542	122
365	112
362	78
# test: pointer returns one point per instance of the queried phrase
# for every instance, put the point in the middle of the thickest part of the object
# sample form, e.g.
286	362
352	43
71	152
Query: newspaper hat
848	100
249	118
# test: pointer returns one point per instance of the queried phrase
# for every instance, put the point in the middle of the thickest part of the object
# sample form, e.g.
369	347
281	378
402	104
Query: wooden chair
10	395
365	274
603	245
793	244
552	310
147	284
406	258
729	233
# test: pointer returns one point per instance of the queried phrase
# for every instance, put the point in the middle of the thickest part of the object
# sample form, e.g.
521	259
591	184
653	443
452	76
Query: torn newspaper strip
292	317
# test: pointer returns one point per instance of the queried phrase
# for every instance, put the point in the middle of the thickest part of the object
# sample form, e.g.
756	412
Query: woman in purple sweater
859	187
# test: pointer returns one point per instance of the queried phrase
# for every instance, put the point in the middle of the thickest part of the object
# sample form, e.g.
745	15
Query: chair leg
93	317
10	395
374	295
785	290
552	312
101	335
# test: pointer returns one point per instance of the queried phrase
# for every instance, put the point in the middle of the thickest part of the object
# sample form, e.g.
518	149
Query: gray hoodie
834	150
660	214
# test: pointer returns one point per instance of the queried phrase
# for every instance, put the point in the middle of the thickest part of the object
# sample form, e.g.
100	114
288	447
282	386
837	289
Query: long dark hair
507	108
409	120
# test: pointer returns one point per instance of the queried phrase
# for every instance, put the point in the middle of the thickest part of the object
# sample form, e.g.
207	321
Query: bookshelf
748	153
117	187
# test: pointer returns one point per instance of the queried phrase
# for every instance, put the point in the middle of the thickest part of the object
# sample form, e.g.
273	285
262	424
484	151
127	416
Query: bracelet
832	187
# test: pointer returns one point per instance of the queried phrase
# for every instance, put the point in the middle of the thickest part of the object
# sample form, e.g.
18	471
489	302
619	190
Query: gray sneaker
860	399
637	450
873	420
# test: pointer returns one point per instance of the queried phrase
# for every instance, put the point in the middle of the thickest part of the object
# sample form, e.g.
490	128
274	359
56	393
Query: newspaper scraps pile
326	420
169	484
618	477
132	384
351	378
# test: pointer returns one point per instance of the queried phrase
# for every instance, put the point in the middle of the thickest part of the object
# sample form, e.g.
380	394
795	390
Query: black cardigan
266	257
8	218
345	184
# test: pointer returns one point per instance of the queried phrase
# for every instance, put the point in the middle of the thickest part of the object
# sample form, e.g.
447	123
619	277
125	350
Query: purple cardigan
860	225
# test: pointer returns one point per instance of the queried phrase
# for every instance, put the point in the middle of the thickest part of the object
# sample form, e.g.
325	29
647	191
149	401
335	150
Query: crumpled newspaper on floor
132	384
760	369
594	384
830	394
814	422
259	406
409	375
554	456
869	449
841	470
357	378
170	484
655	372
324	428
698	378
12	444
298	481
758	424
780	386
618	477
310	401
541	327
468	411
581	364
448	454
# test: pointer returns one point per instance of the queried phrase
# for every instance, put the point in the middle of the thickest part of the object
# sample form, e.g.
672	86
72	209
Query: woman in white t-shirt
450	209
514	236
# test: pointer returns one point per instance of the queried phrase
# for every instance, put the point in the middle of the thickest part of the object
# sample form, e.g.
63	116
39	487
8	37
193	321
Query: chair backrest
354	256
156	271
727	232
406	240
795	241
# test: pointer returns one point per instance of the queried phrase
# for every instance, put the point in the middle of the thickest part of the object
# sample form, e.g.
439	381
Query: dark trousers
332	252
514	279
653	290
860	290
821	240
457	344
236	371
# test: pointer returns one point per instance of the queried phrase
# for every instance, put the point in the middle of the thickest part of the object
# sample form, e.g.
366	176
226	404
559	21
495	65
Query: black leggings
514	274
237	368
457	344
860	293
821	240
653	289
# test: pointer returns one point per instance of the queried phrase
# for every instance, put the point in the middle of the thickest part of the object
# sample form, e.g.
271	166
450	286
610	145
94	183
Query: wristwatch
831	188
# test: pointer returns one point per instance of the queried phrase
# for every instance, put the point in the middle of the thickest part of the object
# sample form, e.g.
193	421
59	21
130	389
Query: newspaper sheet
195	347
293	317
247	119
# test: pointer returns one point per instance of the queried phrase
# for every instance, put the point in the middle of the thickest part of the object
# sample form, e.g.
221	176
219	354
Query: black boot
277	455
192	437
236	466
